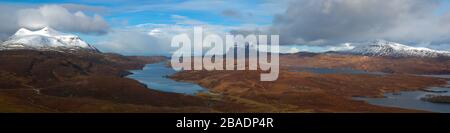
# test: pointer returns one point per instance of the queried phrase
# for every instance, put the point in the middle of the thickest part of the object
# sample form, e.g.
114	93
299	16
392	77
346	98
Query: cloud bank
330	22
153	39
315	23
55	16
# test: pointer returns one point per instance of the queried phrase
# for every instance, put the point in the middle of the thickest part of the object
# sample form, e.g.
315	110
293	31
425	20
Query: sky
137	27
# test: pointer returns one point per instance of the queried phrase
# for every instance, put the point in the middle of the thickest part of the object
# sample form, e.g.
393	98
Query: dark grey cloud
8	23
56	16
231	13
326	22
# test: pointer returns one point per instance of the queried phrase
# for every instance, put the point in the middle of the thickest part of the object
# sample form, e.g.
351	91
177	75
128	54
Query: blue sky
160	11
169	17
123	14
444	7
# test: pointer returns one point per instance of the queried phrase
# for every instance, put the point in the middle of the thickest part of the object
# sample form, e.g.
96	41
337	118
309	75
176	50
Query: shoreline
205	81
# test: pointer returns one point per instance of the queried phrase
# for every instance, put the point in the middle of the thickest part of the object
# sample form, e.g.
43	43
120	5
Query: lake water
155	77
406	99
411	100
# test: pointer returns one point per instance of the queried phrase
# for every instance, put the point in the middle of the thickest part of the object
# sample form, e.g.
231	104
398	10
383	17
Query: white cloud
293	50
133	42
60	18
67	18
341	47
147	39
155	39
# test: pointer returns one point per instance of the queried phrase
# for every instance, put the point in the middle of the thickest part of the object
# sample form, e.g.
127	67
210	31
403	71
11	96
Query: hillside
50	81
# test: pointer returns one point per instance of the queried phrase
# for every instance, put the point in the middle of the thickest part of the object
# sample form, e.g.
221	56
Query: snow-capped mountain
386	48
45	39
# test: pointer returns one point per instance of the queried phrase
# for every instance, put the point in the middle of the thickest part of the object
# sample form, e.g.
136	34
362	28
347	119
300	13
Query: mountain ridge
45	39
393	49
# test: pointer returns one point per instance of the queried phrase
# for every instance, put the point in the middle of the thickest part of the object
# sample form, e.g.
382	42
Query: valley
52	81
309	92
46	81
40	71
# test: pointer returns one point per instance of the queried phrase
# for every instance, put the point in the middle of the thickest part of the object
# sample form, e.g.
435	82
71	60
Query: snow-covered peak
48	32
45	39
23	31
387	48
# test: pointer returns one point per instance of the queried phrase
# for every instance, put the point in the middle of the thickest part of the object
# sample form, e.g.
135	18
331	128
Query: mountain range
393	49
51	39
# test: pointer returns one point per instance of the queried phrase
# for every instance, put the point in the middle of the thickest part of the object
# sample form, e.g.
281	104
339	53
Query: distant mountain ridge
45	39
393	49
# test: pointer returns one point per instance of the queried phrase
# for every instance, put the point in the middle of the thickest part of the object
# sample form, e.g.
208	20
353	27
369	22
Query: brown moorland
406	65
50	81
312	92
